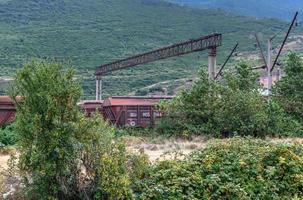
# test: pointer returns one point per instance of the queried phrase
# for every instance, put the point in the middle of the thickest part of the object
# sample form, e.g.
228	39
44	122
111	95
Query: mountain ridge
258	8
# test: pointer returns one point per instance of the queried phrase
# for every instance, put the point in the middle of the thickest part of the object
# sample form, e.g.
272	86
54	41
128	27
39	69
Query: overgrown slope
93	32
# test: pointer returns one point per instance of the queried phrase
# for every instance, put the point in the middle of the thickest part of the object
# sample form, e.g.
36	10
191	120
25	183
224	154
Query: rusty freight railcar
7	110
132	111
89	107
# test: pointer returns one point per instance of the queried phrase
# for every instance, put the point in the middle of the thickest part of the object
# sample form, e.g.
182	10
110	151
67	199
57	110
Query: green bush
64	155
280	123
288	92
230	108
142	92
230	169
8	136
45	122
111	172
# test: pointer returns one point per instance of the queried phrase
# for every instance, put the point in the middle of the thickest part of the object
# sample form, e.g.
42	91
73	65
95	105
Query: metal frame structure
210	42
269	64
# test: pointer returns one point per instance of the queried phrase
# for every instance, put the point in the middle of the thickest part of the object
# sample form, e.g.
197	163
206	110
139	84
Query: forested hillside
260	8
93	32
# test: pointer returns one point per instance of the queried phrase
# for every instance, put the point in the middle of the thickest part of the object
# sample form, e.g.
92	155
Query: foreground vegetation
230	169
63	155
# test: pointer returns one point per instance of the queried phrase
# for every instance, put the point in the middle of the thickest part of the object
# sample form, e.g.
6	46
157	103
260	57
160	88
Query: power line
284	41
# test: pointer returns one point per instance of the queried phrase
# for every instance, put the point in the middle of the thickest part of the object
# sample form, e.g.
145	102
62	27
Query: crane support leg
212	62
98	88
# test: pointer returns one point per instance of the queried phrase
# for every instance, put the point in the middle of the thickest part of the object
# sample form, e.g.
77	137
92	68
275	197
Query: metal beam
260	67
260	48
203	43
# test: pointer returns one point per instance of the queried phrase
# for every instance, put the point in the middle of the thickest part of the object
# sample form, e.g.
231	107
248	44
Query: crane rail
203	43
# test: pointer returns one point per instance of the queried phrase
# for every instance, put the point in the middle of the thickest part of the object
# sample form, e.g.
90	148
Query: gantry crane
210	42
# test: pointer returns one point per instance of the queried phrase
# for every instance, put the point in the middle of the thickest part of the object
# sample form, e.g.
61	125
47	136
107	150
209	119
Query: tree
288	92
232	107
244	78
191	111
64	155
45	120
242	109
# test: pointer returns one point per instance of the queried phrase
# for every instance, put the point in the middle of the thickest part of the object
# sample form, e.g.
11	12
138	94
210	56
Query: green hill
93	32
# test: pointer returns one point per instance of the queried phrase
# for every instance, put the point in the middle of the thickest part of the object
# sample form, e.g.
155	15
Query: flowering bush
230	169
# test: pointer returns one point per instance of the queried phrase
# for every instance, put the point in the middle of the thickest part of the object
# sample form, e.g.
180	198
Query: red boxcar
132	111
89	107
7	110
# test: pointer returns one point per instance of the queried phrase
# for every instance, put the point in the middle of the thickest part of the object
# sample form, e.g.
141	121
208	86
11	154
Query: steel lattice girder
203	43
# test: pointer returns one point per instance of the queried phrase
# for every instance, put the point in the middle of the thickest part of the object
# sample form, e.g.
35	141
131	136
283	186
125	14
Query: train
122	111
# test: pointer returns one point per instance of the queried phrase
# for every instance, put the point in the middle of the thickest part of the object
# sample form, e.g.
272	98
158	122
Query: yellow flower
282	160
242	163
260	178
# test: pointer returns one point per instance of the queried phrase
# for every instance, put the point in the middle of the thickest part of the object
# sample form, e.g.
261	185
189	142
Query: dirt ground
3	161
6	182
160	148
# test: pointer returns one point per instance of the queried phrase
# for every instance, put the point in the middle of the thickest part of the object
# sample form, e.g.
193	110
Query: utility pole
279	73
269	66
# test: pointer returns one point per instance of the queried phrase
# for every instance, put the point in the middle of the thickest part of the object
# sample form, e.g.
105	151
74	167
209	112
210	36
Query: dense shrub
62	154
233	107
230	169
279	123
288	92
45	121
146	91
110	172
142	92
8	136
